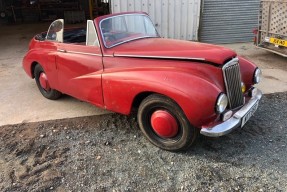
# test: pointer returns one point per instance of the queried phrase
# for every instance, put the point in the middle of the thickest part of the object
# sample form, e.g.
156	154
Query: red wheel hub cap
164	124
44	81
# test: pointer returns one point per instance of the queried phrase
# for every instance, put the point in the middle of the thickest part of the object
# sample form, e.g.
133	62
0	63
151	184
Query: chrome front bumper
234	122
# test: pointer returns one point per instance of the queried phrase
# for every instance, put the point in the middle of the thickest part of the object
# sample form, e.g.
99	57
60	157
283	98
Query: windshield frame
132	39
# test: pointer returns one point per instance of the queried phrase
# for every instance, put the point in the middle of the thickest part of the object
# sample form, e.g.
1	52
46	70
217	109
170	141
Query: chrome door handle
62	50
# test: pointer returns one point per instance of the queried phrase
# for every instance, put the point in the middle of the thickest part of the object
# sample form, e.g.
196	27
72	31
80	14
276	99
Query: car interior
76	35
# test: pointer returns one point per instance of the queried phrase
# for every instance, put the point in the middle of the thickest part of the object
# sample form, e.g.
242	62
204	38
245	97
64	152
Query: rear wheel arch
43	83
33	65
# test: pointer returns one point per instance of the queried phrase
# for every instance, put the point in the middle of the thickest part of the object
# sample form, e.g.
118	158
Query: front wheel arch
139	98
186	133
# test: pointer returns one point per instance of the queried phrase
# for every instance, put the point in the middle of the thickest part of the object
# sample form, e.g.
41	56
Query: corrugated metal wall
228	21
178	19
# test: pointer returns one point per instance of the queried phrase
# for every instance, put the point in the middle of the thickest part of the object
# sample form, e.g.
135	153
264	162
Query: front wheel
164	124
43	84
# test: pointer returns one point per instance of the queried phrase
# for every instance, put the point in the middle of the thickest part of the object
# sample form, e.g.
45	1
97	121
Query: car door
47	51
80	67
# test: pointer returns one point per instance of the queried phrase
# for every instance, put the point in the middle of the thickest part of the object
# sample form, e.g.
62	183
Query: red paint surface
160	47
114	82
164	124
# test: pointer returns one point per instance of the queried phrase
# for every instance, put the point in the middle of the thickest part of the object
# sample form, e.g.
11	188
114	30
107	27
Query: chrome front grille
232	79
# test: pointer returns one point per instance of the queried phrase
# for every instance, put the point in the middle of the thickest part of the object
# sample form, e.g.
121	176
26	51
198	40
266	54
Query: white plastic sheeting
177	19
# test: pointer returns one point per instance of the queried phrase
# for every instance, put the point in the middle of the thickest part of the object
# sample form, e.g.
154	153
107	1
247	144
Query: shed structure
212	21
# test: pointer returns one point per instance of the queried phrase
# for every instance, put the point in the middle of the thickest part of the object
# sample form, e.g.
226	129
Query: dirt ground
109	153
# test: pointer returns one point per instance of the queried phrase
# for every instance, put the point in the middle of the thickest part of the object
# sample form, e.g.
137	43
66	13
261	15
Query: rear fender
43	53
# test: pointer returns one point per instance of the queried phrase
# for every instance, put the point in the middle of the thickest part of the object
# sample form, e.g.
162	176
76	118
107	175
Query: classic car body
119	62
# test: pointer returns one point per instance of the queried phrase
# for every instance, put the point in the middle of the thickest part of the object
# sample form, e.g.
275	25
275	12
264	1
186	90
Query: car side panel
80	72
195	95
43	53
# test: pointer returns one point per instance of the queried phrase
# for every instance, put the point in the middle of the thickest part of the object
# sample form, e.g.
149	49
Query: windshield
119	29
55	31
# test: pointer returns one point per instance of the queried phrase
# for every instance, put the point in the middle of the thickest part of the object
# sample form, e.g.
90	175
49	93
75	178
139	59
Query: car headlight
221	103
257	76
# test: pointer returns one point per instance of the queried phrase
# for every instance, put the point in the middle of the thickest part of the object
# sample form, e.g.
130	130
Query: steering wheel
109	37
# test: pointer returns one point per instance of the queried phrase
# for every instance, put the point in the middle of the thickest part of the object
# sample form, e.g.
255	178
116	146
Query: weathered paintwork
117	78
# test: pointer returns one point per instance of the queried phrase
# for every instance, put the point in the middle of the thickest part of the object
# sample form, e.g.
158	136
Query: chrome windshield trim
102	34
144	37
159	57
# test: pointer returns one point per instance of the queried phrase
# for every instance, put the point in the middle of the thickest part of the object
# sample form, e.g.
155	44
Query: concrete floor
20	98
22	102
274	67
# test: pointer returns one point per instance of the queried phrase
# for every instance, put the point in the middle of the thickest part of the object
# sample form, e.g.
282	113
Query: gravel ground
109	153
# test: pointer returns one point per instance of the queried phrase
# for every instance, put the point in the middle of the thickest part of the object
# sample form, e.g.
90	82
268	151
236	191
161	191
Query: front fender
195	95
247	69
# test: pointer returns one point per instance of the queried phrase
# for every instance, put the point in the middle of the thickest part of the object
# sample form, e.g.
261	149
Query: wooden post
91	9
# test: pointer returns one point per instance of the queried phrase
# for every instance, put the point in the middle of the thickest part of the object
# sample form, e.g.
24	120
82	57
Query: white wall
177	19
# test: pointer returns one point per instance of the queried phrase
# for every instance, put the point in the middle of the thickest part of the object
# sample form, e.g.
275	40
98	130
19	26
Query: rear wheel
43	84
164	124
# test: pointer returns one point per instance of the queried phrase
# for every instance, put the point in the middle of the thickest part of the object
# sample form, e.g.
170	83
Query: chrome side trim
82	53
234	122
62	50
159	57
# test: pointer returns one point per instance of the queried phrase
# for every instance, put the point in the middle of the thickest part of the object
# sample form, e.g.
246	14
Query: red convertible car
119	62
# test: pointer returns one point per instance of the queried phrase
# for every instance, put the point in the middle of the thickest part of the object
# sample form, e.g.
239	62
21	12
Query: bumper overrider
236	120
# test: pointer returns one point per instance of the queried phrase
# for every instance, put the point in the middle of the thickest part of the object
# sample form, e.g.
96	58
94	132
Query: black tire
187	133
50	94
